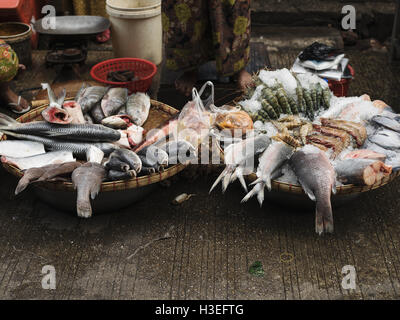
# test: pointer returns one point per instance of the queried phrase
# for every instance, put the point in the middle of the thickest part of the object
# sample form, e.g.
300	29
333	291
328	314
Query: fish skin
74	111
115	175
365	154
87	179
97	113
29	176
138	107
389	123
94	154
79	149
56	170
277	153
129	157
114	99
56	115
20	149
386	139
116	164
154	157
90	96
361	171
180	150
39	160
88	119
120	122
317	177
74	132
238	155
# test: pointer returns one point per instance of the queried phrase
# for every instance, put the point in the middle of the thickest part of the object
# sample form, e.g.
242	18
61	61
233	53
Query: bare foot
186	82
244	80
9	96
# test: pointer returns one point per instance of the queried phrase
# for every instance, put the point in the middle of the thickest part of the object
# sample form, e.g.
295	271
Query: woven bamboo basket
159	113
298	190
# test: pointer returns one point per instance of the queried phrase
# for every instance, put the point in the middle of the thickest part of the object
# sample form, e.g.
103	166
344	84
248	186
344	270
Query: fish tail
323	218
22	185
84	209
61	98
223	173
226	180
242	182
260	196
267	181
255	190
7	121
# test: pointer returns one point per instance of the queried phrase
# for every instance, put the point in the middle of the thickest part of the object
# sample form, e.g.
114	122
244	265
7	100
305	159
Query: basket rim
108	186
97	66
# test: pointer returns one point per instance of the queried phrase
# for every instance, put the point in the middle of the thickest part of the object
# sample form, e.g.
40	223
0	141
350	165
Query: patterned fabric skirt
8	62
197	31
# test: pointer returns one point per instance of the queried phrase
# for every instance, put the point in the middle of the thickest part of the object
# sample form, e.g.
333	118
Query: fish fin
22	185
6	120
308	192
256	182
223	173
334	190
255	190
226	181
79	93
260	197
61	98
267	181
243	182
323	218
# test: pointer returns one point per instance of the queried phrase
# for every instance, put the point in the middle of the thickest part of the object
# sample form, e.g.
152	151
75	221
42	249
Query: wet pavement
210	241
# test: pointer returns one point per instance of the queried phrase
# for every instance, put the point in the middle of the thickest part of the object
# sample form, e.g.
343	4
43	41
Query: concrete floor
212	239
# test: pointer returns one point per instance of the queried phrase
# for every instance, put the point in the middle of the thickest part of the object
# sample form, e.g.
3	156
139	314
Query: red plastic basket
340	88
143	69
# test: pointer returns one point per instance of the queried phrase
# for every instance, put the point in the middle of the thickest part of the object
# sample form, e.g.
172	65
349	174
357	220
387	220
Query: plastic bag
195	119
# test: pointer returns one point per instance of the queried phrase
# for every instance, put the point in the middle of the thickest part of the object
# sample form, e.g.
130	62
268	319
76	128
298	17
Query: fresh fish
386	138
76	132
138	107
270	161
90	96
39	160
74	111
387	122
87	179
94	154
117	122
180	151
365	154
79	149
116	164
30	176
57	170
114	175
97	113
356	130
129	157
88	119
154	157
317	177
20	149
56	115
114	100
241	154
361	171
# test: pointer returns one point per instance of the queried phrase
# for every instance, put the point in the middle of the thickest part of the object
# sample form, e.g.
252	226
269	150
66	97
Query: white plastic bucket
136	29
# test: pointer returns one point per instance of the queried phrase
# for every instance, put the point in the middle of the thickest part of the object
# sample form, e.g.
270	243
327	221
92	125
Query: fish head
56	115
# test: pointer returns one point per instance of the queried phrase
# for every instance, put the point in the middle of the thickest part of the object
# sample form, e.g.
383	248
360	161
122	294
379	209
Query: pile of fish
318	152
98	137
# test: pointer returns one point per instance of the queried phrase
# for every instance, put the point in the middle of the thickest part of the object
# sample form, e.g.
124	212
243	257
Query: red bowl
143	69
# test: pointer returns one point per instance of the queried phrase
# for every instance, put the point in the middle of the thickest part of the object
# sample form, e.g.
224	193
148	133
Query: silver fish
270	161
129	157
387	122
114	100
20	149
387	139
97	113
138	107
87	179
239	155
154	157
78	132
317	177
39	160
90	96
79	149
116	164
180	151
117	122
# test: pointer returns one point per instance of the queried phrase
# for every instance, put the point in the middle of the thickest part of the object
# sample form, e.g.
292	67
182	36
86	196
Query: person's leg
184	25
231	28
11	99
